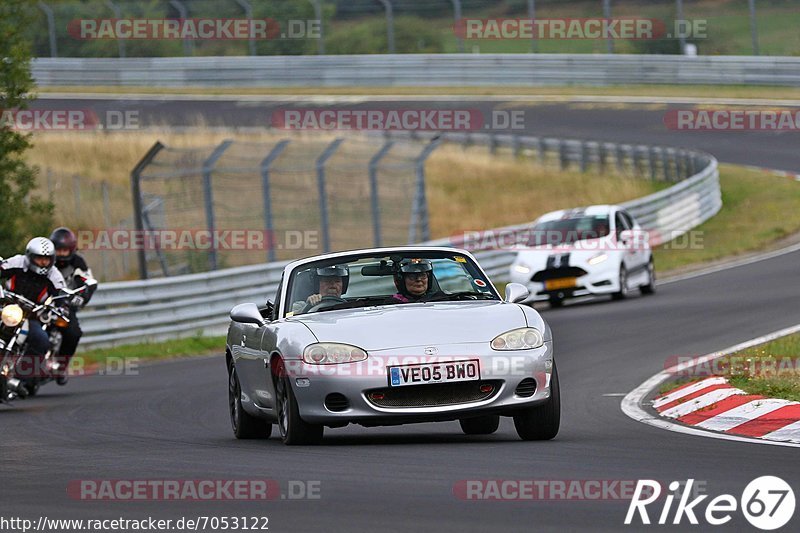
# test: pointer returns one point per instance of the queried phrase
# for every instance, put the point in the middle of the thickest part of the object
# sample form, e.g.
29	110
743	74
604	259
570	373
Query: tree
22	216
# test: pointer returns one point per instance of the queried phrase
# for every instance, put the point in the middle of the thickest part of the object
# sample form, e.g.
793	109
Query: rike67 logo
767	503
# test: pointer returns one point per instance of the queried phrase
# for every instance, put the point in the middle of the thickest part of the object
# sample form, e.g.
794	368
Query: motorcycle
16	381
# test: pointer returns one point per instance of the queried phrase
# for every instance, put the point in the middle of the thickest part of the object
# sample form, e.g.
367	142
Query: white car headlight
522	269
12	315
518	339
597	259
329	353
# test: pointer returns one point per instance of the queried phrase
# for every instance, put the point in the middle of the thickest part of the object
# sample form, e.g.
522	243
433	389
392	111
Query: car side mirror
516	292
247	313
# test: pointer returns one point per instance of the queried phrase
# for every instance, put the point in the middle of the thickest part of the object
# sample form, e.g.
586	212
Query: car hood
403	325
536	257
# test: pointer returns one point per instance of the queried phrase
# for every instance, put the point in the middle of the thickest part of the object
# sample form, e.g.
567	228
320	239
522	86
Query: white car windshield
569	230
352	282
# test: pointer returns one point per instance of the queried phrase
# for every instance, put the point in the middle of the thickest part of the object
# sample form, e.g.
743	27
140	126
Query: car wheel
245	426
555	301
294	430
650	288
623	285
32	388
541	422
480	425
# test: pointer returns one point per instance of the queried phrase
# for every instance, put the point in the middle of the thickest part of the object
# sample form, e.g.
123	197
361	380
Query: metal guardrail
415	70
125	312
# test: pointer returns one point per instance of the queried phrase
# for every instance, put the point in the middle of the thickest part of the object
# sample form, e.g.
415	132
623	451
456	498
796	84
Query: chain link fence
240	203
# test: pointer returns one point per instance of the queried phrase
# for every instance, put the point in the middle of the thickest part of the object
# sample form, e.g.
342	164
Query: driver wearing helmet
329	282
413	279
32	275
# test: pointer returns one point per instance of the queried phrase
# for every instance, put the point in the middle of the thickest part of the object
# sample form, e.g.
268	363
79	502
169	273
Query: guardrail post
584	156
118	14
678	156
541	154
208	196
387	4
562	155
515	145
323	200
51	27
651	162
248	13
492	143
267	197
619	155
373	191
419	210
601	157
665	163
136	193
188	46
692	164
636	161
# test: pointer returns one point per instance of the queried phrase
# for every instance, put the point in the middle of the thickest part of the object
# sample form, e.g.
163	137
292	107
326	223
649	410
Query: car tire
623	285
480	425
650	288
244	425
294	430
32	388
555	301
541	422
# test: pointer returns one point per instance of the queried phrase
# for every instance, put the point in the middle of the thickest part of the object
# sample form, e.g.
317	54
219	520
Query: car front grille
555	273
432	395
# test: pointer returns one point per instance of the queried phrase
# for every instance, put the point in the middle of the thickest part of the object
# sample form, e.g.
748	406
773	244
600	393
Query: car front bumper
315	385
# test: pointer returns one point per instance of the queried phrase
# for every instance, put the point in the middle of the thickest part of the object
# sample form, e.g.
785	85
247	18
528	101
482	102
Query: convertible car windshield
358	281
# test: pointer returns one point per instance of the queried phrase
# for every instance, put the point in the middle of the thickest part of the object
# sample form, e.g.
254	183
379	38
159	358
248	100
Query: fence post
188	46
323	200
248	13
106	224
208	196
117	13
751	4
457	17
267	196
532	16
76	190
373	191
136	193
419	210
51	27
318	14
607	15
387	4
679	17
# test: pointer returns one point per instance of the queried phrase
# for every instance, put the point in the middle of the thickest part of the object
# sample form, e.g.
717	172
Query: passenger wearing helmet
76	273
328	282
32	275
414	280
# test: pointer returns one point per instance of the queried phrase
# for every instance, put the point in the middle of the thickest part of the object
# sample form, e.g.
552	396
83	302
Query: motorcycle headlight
12	315
518	339
327	353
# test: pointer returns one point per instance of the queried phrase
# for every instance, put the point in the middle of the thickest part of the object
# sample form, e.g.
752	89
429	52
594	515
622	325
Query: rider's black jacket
19	279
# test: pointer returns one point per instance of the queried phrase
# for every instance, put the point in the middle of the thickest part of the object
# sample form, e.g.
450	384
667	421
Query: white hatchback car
594	250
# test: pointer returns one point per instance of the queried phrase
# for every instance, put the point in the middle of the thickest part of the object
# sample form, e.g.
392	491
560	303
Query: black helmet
342	271
407	266
40	247
64	238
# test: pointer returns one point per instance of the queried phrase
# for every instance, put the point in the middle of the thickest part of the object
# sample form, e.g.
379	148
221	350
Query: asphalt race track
171	420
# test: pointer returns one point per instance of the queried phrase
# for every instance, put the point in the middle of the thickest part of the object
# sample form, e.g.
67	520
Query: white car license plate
427	373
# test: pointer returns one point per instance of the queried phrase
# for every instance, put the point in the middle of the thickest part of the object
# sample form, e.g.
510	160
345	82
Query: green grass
779	374
758	209
189	346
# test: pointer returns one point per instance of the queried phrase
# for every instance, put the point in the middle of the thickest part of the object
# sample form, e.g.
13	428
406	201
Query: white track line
632	403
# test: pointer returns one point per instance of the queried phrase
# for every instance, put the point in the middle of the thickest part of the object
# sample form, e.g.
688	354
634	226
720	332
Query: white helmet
40	247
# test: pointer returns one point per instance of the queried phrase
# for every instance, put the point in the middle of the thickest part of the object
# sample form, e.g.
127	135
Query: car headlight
522	269
597	259
328	353
12	315
518	339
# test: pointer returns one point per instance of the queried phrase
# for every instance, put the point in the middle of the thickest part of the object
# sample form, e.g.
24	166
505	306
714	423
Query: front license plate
560	283
427	373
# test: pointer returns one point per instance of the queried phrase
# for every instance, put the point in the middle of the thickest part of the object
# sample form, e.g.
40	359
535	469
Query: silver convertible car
390	336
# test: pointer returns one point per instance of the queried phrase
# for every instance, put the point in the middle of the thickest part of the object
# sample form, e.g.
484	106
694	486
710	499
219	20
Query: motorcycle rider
32	275
76	272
